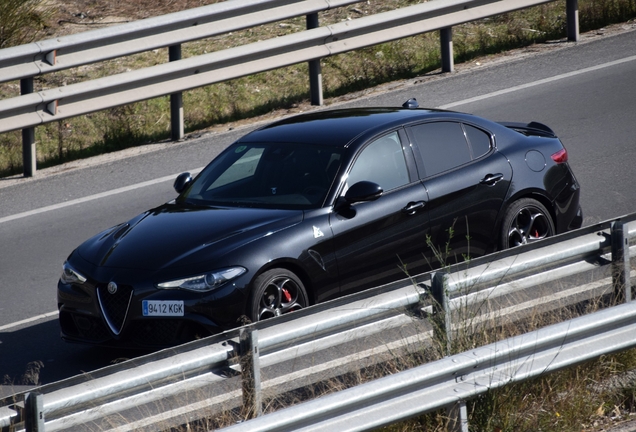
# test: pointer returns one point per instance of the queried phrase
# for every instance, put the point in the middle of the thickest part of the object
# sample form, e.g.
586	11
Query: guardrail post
176	101
29	160
315	69
458	417
572	18
250	372
439	282
446	47
34	412
621	267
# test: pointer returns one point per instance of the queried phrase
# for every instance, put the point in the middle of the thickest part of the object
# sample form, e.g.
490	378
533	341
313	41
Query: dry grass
283	90
589	397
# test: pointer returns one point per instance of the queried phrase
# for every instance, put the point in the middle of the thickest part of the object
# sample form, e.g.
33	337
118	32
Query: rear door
467	181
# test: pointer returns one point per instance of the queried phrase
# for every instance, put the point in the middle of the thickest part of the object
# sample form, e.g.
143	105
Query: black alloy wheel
276	292
526	221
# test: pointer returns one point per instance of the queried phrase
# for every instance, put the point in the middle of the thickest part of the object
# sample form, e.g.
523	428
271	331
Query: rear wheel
276	292
525	221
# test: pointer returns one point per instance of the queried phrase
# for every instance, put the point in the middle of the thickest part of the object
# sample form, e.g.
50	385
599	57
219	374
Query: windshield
267	175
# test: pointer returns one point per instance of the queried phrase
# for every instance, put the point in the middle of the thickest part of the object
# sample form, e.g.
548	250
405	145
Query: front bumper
89	314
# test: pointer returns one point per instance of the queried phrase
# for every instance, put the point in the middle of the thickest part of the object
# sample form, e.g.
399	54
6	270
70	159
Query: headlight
204	282
70	276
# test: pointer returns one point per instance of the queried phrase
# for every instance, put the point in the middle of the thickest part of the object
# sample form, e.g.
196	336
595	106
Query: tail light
561	156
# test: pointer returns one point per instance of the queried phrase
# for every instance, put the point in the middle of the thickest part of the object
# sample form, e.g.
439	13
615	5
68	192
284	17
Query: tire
276	292
525	221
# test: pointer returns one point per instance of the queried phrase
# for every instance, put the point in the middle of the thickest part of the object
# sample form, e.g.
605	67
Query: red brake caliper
287	295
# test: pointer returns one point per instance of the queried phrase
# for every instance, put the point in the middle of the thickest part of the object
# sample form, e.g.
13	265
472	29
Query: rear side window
442	146
447	145
478	139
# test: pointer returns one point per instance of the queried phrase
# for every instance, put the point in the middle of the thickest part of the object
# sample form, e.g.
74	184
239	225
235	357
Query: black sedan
314	207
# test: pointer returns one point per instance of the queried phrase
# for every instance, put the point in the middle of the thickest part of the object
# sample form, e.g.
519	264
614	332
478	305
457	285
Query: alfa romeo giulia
313	207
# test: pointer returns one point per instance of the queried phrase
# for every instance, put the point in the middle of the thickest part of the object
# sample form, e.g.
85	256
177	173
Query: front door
383	240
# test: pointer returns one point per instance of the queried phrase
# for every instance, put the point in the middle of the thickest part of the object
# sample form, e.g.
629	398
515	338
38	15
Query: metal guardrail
26	61
85	97
84	48
69	403
459	377
33	109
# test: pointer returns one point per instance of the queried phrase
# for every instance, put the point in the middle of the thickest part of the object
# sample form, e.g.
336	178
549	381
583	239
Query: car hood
178	235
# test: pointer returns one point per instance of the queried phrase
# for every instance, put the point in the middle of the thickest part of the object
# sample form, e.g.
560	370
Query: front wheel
276	292
525	221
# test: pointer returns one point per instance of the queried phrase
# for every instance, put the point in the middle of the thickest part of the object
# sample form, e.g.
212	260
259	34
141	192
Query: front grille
115	306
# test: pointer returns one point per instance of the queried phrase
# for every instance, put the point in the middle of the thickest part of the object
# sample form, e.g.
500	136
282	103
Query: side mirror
182	181
363	191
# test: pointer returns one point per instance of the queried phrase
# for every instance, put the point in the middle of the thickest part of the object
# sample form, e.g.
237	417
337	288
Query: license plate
162	307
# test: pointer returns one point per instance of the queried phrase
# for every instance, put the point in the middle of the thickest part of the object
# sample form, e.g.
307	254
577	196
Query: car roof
338	127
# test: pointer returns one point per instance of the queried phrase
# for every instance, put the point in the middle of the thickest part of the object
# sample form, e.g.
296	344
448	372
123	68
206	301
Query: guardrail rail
33	108
204	377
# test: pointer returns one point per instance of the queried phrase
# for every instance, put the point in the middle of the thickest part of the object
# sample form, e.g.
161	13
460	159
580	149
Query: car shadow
35	355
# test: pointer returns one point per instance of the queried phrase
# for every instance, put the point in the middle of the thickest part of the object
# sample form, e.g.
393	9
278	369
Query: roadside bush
23	21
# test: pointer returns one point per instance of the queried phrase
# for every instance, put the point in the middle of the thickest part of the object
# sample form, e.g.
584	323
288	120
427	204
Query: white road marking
538	83
28	320
91	197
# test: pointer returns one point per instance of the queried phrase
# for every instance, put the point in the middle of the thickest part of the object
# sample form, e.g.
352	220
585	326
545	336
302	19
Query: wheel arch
294	267
533	194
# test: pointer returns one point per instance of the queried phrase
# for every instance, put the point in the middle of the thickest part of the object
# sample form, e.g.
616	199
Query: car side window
381	162
442	146
445	145
478	139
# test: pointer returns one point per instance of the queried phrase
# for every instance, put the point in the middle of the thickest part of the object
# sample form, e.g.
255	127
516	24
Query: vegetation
278	91
23	21
589	397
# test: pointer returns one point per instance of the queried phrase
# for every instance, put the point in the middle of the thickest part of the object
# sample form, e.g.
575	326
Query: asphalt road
586	92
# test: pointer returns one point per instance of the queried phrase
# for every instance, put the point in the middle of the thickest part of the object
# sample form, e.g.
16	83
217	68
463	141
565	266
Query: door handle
491	179
413	207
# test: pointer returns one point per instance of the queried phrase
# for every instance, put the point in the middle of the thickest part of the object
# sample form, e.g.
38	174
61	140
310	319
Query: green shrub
23	21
